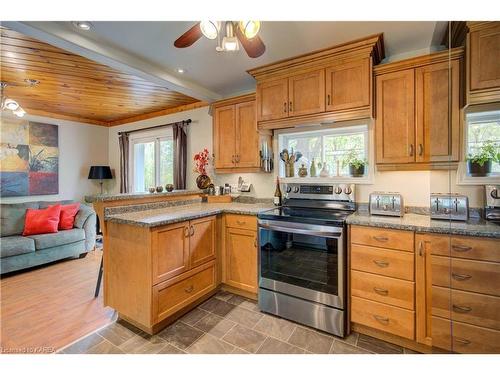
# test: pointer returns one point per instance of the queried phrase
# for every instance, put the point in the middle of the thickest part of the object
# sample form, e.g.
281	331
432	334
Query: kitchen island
161	260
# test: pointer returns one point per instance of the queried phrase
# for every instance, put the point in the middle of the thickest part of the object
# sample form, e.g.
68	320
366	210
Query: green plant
487	152
352	159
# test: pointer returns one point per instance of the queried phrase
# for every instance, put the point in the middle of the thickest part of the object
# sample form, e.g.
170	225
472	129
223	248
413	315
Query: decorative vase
169	187
357	172
312	170
152	190
159	189
289	169
476	170
303	171
203	181
325	172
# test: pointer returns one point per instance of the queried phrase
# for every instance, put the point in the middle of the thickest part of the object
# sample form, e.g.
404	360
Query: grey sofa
18	252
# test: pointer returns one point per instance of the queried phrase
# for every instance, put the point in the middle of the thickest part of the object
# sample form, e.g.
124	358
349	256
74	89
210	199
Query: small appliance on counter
492	209
386	203
446	206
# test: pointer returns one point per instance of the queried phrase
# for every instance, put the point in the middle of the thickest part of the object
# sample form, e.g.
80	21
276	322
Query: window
328	145
483	127
151	161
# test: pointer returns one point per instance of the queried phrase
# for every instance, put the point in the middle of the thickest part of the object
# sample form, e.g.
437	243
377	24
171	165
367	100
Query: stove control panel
333	192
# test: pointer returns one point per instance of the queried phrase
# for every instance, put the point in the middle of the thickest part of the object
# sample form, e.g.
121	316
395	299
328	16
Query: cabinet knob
462	309
460	277
189	289
381	263
382	292
381	319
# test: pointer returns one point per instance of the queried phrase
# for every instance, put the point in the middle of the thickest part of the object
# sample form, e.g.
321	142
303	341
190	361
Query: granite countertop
118	197
175	214
423	223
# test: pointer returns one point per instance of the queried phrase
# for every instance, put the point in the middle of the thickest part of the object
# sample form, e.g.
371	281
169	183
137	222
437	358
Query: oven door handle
310	232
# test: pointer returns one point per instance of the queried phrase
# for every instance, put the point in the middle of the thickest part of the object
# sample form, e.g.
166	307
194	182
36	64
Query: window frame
336	129
488	112
144	137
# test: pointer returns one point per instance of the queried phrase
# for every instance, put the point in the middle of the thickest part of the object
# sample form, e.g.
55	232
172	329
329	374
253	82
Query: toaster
449	206
386	203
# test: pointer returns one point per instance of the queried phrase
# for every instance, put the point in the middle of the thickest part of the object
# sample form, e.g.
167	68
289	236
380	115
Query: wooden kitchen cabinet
483	68
272	99
201	241
306	93
235	137
395	120
457	296
417	123
241	253
348	85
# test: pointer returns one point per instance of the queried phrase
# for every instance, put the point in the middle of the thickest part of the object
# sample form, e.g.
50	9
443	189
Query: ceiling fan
244	32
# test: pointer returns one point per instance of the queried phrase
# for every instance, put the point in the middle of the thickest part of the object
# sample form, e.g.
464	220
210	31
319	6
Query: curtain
180	154
124	162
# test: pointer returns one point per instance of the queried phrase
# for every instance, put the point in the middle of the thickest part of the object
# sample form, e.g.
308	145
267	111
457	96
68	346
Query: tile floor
227	324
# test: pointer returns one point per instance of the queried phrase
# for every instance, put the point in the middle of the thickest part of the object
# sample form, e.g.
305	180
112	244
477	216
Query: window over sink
151	160
334	145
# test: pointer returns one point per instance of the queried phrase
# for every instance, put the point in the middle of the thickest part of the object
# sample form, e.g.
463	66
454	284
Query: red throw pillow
68	213
42	221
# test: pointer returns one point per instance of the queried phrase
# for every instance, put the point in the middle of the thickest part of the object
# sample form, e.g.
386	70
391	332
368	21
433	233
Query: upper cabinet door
348	85
437	112
272	100
306	93
224	137
395	119
247	136
484	57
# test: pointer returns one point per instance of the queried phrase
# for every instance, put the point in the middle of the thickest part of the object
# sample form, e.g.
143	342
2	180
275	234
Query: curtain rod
188	121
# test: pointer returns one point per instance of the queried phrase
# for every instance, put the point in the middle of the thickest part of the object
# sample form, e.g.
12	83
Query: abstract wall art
29	158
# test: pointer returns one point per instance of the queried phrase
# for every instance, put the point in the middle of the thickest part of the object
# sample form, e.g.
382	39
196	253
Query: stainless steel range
302	256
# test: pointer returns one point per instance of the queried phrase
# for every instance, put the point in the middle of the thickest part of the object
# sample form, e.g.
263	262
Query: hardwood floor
47	308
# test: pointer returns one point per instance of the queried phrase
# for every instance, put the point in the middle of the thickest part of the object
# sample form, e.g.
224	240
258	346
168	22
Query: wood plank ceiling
75	88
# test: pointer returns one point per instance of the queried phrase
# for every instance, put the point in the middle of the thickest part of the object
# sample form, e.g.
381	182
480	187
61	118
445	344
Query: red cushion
42	221
68	213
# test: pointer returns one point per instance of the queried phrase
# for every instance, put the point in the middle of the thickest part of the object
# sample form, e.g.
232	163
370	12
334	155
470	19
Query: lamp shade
100	172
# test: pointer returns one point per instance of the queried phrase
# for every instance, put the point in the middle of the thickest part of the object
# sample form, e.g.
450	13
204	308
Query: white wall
415	186
80	146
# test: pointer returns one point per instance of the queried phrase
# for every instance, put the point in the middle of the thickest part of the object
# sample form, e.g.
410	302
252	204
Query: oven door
303	260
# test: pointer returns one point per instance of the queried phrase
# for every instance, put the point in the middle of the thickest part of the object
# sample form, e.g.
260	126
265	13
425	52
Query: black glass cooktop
306	215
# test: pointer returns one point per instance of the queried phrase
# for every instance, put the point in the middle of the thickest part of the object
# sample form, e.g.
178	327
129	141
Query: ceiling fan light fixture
210	29
19	112
249	28
230	43
11	104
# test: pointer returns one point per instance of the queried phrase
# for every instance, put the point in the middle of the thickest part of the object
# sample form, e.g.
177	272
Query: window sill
464	179
366	180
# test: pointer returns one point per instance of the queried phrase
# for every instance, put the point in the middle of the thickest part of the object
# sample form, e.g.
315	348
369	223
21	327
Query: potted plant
479	163
356	165
200	167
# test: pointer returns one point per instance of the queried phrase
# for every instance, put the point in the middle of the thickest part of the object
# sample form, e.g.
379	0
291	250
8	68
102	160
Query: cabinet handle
186	231
328	99
462	341
462	309
189	289
460	277
191	232
381	263
421	249
237	158
460	248
420	149
255	242
381	238
411	149
290	108
382	292
284	107
381	319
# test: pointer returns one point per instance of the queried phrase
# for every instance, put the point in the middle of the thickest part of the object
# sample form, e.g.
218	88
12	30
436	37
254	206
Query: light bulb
83	25
11	104
249	28
210	28
230	43
19	112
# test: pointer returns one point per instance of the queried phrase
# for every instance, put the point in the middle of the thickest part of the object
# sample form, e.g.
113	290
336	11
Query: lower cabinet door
172	295
241	259
386	318
201	241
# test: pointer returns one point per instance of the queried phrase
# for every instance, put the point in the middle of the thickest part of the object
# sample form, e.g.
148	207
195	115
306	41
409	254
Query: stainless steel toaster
386	203
449	206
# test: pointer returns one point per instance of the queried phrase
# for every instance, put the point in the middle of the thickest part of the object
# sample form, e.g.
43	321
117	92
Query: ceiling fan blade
189	37
254	47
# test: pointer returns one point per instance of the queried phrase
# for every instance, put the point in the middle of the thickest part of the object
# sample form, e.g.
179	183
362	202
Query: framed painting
29	158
